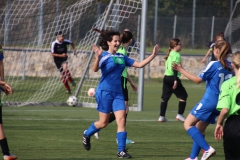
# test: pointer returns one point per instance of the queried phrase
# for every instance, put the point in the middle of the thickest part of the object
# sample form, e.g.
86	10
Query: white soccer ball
72	101
91	92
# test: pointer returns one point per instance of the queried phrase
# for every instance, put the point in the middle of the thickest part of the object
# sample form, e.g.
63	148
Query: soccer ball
91	92
72	101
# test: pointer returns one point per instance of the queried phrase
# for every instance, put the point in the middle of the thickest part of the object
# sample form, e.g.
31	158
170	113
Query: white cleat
191	158
96	135
162	119
209	153
180	117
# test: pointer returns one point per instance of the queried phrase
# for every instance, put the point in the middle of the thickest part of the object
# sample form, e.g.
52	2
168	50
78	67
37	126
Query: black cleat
86	142
73	83
124	154
69	91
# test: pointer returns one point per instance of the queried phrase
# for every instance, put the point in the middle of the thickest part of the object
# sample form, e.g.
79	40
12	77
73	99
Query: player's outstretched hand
98	51
6	88
155	50
218	133
176	67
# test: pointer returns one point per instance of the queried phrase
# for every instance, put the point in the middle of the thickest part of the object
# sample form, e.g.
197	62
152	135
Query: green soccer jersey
229	97
123	51
174	57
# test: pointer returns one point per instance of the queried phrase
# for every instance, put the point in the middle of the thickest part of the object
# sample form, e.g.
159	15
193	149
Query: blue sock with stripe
121	137
91	130
197	137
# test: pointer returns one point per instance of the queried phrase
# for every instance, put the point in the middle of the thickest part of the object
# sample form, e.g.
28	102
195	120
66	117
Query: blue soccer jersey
214	75
112	66
1	56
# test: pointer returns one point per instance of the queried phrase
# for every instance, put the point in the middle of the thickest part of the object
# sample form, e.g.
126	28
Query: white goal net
27	30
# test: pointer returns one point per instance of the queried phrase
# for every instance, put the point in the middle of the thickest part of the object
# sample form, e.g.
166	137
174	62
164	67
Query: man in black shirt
59	53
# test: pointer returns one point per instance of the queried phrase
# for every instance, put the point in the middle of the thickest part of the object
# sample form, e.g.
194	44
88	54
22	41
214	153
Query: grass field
55	133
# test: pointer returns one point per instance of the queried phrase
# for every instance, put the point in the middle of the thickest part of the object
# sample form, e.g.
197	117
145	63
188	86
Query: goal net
232	30
27	30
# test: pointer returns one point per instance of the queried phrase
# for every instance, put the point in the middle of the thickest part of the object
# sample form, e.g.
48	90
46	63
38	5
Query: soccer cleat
191	158
96	135
180	117
73	83
128	141
10	157
69	91
86	141
123	154
209	153
162	119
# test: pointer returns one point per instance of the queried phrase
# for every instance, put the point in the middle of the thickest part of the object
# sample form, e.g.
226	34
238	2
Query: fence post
174	26
213	18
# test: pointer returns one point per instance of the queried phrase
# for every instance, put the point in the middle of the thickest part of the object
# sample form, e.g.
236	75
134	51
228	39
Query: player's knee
184	97
165	99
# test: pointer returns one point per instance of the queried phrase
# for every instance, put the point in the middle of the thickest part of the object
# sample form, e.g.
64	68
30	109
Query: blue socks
198	138
195	149
121	137
91	130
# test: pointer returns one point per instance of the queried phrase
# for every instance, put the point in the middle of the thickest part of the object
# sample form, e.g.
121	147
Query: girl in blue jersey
205	111
109	95
8	90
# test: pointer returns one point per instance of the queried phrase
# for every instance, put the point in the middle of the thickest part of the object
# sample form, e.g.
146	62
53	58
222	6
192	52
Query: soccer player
8	90
229	105
59	53
204	113
109	95
172	83
126	40
219	36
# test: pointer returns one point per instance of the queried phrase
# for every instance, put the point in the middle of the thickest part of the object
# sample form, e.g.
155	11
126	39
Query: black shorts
59	64
124	89
231	138
167	89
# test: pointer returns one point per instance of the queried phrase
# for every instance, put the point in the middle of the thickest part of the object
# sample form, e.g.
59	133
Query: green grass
54	133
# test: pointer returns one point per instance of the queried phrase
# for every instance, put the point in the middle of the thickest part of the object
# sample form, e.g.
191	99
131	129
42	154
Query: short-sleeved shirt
174	57
214	75
229	97
60	48
112	66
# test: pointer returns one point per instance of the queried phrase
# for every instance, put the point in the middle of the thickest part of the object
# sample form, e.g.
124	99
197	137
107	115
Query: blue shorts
205	110
109	101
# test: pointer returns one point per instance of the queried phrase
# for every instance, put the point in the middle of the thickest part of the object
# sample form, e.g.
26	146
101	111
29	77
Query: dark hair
172	44
126	36
224	48
106	35
59	33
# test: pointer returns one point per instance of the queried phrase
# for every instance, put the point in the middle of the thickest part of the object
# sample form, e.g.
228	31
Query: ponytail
169	50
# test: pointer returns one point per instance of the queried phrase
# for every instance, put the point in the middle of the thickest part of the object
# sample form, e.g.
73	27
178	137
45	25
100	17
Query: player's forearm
73	46
2	70
56	55
95	66
191	77
144	62
207	54
222	116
